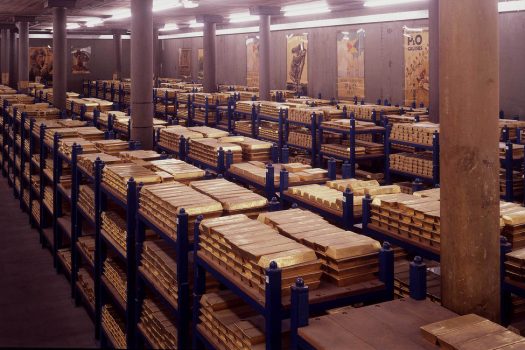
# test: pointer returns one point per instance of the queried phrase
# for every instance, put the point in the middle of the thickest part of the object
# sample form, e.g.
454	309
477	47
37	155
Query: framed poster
351	64
416	45
41	63
252	61
185	62
297	63
81	57
200	61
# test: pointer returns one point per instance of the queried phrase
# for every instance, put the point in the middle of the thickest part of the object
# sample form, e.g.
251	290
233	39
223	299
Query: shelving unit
280	120
312	128
273	306
236	115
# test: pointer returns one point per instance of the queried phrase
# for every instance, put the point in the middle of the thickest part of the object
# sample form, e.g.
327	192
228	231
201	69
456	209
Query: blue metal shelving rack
312	126
236	115
208	107
351	133
181	307
434	148
274	307
280	120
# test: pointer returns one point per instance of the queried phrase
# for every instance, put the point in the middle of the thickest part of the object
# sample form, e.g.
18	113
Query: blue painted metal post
131	222
199	287
417	185
274	205
367	203
57	202
75	224
220	161
332	173
98	247
345	169
229	159
299	310
231	105
182	148
386	269
418	279
352	145
506	298
285	155
518	135
183	280
348	209
274	153
505	134
509	186
270	182
313	135
281	136
283	182
273	307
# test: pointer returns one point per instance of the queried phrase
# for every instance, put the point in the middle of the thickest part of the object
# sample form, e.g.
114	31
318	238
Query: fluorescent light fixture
94	22
189	4
120	14
242	17
509	6
376	3
161	5
168	27
72	26
309	8
194	24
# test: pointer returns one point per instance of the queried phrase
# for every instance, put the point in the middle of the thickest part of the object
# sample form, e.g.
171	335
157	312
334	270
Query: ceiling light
94	22
242	17
308	8
509	6
376	3
194	24
189	4
72	26
161	5
120	14
168	27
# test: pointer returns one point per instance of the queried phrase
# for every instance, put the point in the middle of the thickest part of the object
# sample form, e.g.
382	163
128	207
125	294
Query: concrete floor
36	309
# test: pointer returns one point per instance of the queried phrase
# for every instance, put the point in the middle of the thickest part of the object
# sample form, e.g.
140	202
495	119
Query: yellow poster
200	60
252	61
296	62
351	65
185	63
416	43
40	63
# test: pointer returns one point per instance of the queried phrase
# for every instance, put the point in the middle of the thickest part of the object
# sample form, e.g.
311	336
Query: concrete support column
469	105
156	53
265	14
264	57
209	45
5	56
12	59
117	40
23	55
59	57
433	20
142	72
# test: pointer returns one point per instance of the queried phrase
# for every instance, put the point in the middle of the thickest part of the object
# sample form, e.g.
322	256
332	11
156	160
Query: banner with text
416	43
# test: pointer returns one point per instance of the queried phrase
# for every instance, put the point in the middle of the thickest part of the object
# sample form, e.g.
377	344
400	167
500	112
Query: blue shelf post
418	279
386	269
299	310
345	170
75	222
352	145
57	199
285	154
435	158
332	169
509	188
199	284
348	209
269	183
273	307
99	257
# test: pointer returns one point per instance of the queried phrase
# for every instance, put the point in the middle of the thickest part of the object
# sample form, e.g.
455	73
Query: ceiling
181	16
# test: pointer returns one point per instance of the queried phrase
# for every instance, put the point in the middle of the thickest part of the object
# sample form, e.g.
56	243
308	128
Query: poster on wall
416	44
297	64
200	60
81	57
40	64
252	61
351	65
185	62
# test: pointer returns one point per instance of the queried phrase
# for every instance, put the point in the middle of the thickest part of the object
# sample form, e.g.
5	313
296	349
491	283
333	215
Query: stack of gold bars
517	182
342	150
344	125
114	270
170	137
48	198
179	170
256	172
405	118
234	198
161	203
231	324
513	223
199	115
517	151
64	255
116	176
114	326
253	149
140	155
268	130
245	248
212	99
87	161
87	245
206	150
418	133
86	200
121	124
300	137
420	163
115	227
159	265
512	127
347	257
272	109
365	111
66	146
112	147
244	126
157	323
286	94
87	286
78	103
246	106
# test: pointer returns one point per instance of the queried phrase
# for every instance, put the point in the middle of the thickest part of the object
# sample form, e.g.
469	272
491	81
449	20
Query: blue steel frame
300	307
312	126
272	309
